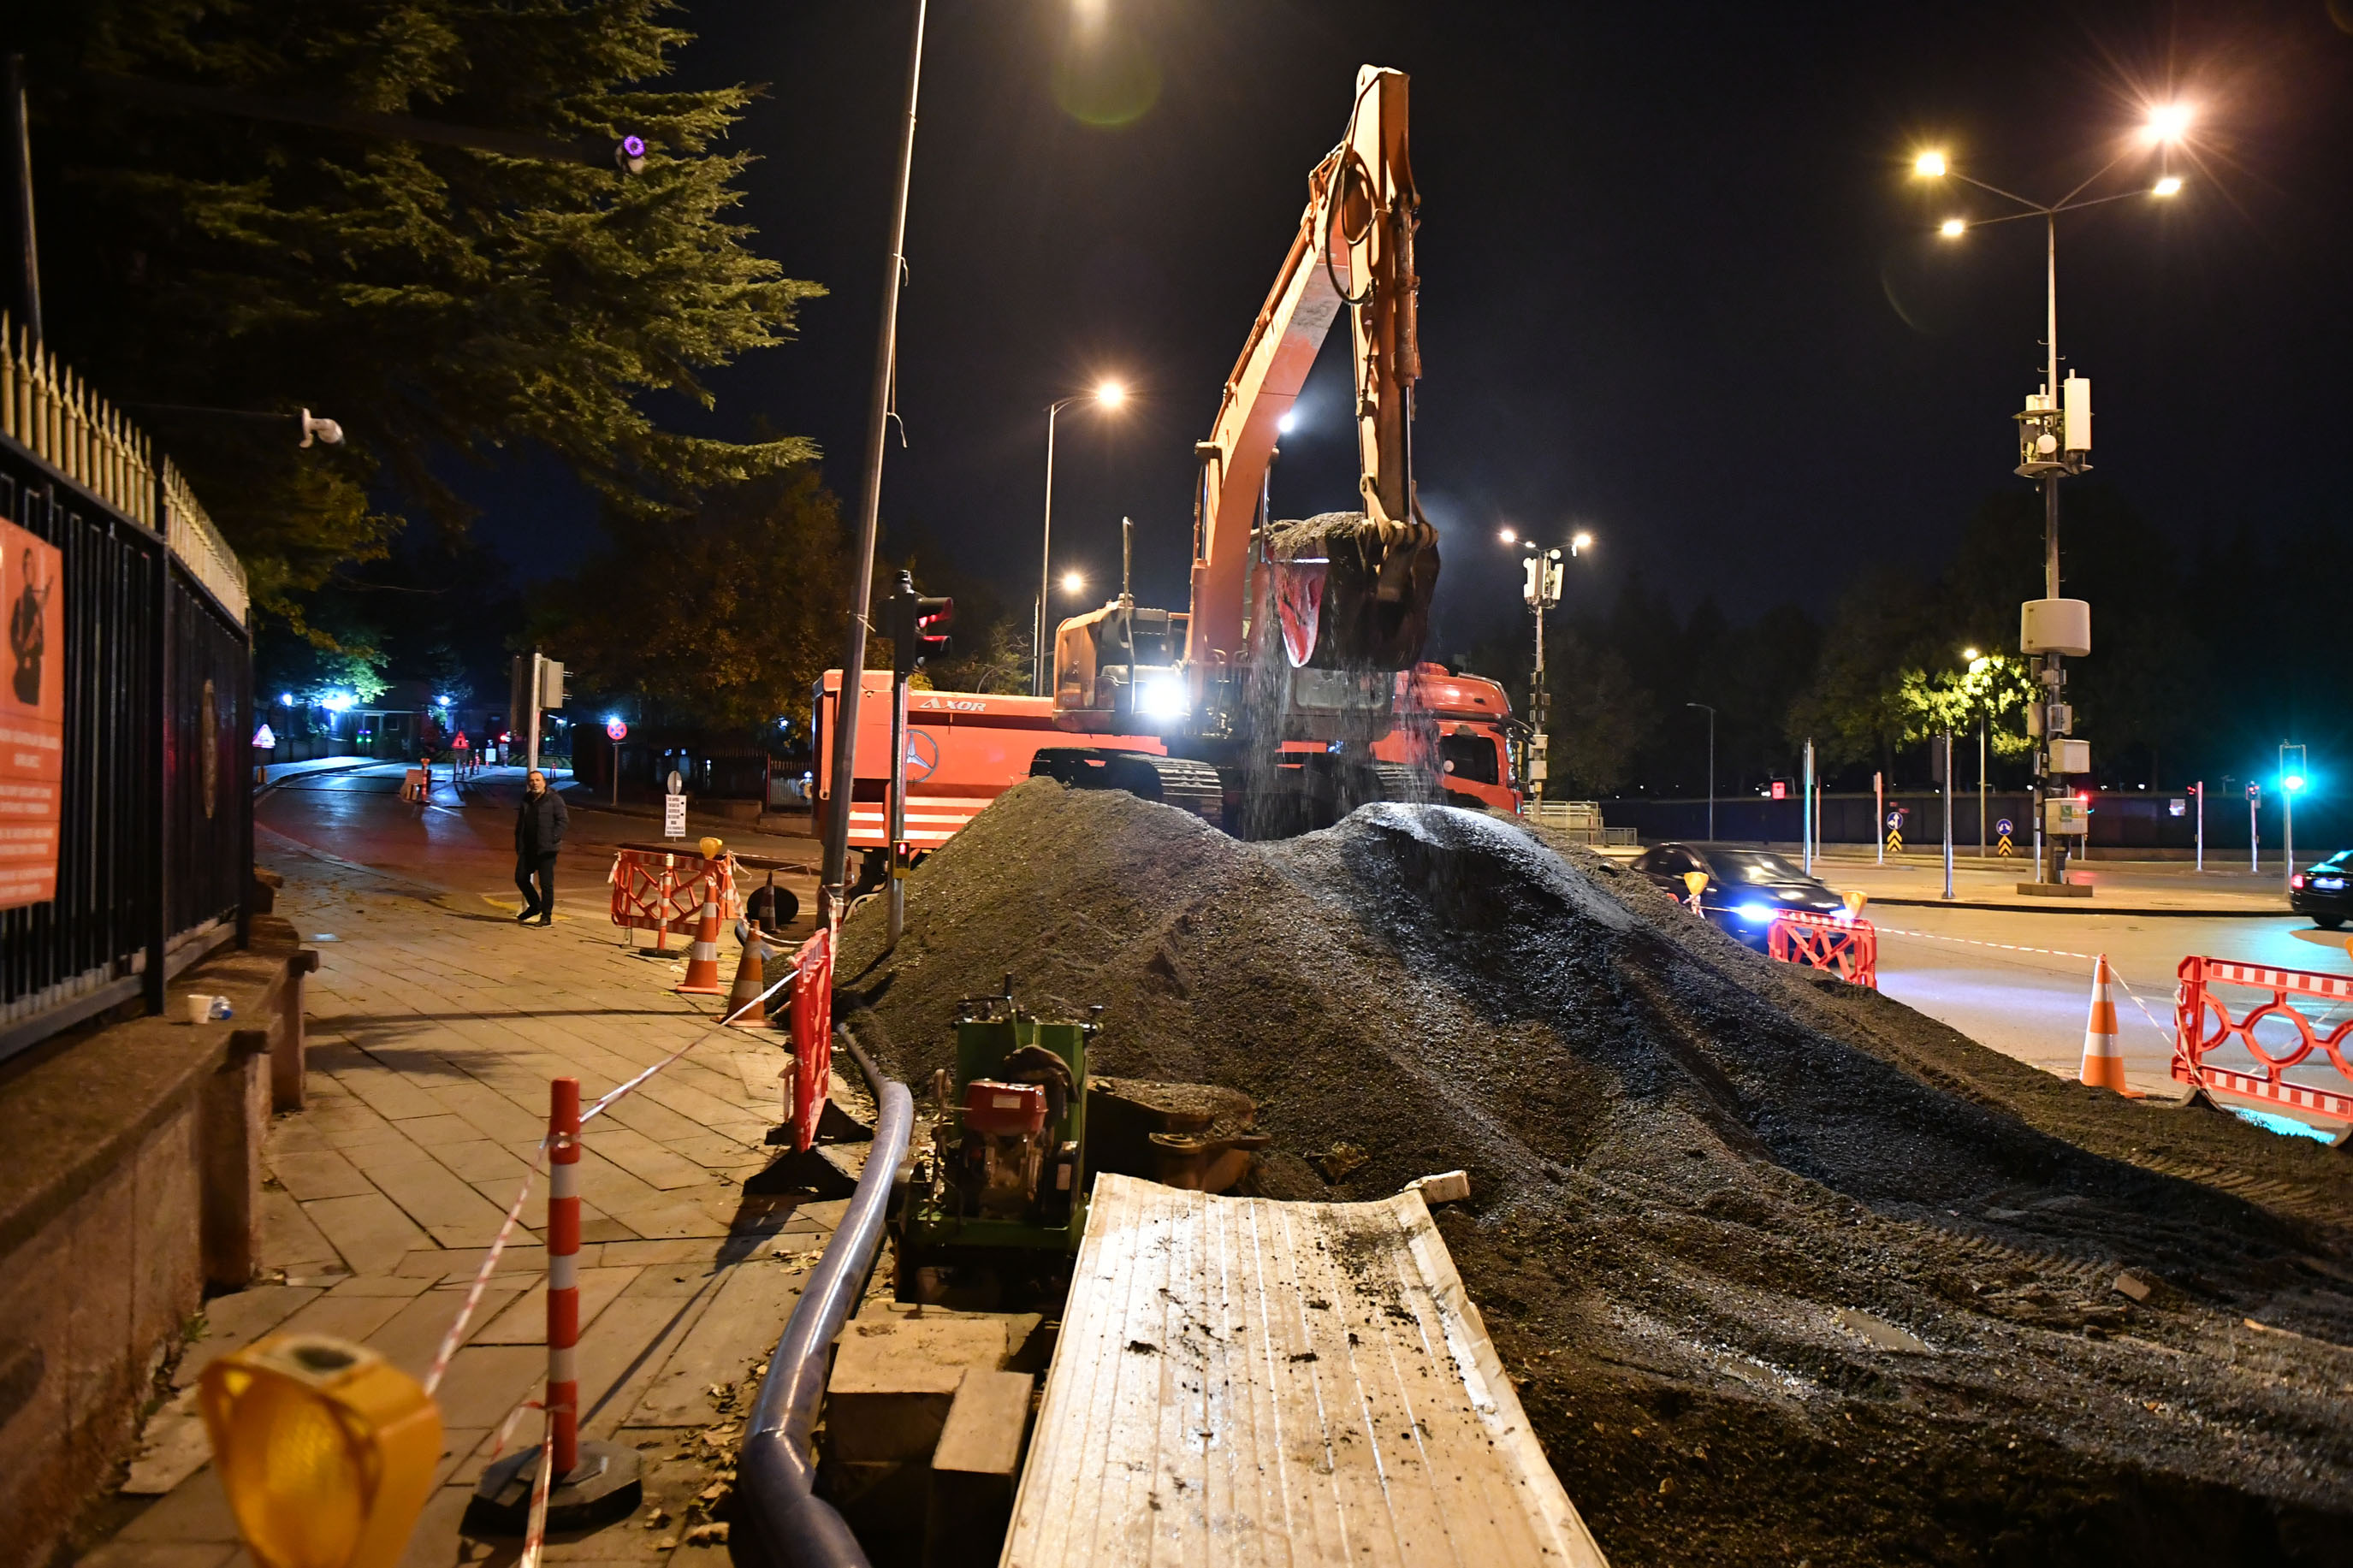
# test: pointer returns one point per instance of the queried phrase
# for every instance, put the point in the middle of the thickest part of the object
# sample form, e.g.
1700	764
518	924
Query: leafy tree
721	618
1601	716
1990	691
433	299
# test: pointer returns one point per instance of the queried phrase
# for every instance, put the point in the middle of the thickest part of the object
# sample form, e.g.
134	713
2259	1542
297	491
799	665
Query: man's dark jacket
540	825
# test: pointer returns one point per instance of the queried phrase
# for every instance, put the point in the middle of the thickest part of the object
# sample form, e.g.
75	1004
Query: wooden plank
1244	1382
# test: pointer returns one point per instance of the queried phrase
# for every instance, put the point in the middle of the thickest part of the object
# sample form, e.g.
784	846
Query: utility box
2071	756
2067	815
2055	626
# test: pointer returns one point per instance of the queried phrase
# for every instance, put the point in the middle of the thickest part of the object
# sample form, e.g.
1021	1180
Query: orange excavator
1270	691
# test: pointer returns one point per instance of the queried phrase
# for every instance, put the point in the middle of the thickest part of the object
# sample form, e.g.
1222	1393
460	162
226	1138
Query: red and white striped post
564	1273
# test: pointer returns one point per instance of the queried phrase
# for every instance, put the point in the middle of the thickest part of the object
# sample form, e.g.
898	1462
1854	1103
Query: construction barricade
666	890
1848	948
2203	1024
812	1028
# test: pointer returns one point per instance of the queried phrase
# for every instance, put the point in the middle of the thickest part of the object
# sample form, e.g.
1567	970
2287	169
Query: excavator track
1179	782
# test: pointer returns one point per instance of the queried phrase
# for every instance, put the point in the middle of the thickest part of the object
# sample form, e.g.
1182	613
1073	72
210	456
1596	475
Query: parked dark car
2321	891
1746	887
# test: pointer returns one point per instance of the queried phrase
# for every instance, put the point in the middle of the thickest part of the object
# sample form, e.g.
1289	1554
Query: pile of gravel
1787	1271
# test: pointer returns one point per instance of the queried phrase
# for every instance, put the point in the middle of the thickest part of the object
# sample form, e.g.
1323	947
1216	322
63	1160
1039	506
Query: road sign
674	815
1780	789
675	784
2004	827
616	731
264	741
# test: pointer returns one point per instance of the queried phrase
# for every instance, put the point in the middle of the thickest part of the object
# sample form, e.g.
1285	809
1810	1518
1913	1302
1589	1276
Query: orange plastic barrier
2203	1024
663	891
1848	948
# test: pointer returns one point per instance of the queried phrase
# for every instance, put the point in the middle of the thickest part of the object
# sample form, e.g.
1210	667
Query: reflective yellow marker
710	848
1697	883
326	1451
1854	902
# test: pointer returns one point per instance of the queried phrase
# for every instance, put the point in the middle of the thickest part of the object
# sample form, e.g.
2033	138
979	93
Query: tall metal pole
1806	812
1045	562
834	875
1539	743
1982	722
1948	814
20	137
2200	787
2051	691
531	698
1711	766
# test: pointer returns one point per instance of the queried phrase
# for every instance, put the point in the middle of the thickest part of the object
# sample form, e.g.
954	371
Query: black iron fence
155	844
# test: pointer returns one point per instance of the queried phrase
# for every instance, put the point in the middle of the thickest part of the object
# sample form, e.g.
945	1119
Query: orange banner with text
32	716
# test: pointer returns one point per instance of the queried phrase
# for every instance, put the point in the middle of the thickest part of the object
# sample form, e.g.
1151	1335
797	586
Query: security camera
315	429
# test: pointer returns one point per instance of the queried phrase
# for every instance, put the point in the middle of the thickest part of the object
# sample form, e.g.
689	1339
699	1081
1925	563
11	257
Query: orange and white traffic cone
746	1009
2104	1065
702	954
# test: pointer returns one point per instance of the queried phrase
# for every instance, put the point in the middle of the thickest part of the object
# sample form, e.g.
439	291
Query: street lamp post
1711	768
2056	429
1541	589
1108	396
2291	777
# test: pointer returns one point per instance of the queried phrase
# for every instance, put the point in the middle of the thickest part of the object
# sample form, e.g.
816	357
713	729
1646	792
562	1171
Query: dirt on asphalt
1786	1271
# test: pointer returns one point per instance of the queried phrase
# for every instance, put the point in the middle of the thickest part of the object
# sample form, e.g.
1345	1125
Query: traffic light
325	1449
919	627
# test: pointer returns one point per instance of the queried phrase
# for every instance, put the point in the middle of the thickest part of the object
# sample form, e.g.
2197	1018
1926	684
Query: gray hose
791	1525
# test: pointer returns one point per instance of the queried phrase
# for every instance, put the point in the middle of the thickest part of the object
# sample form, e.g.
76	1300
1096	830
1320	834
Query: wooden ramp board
1241	1381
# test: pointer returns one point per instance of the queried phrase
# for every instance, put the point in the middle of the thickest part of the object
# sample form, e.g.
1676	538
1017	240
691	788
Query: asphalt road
462	841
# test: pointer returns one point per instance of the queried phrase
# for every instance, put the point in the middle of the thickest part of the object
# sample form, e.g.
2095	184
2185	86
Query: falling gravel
1786	1271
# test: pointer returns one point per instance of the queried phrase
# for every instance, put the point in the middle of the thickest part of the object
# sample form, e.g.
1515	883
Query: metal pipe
791	1525
834	876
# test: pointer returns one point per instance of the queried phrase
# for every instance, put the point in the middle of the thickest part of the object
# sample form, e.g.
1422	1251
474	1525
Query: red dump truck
966	748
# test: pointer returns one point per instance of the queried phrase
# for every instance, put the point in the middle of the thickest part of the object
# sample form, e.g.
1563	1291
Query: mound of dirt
1787	1271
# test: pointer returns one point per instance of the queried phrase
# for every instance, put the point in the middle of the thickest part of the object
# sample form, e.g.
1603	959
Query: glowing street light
1287	424
2060	412
1580	544
1074	582
2169	122
1508	536
1107	395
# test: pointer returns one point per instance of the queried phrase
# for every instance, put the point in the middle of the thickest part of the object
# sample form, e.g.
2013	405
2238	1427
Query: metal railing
48	410
156	825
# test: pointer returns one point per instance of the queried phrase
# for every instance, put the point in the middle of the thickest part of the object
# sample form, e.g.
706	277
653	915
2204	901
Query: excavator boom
1354	251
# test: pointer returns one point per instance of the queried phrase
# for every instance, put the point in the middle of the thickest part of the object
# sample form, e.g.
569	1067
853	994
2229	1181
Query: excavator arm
1354	251
1349	591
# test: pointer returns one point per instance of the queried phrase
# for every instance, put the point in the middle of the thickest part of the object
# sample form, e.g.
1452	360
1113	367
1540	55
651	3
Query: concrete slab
895	1378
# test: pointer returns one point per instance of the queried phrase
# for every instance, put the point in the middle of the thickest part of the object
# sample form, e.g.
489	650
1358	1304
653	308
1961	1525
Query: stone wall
130	1182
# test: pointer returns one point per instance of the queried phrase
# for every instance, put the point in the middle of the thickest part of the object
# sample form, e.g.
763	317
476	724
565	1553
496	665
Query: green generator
1005	1186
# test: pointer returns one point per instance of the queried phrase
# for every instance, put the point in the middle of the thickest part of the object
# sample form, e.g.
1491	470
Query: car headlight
1754	914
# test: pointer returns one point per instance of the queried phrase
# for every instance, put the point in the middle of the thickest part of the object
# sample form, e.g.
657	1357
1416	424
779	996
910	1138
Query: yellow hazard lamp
1854	898
711	847
1697	883
326	1451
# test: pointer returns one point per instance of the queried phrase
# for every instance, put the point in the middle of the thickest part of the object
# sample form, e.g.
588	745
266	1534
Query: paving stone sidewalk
436	1023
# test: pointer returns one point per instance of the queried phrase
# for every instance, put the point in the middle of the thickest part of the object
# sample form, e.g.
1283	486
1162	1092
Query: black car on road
1746	887
2321	891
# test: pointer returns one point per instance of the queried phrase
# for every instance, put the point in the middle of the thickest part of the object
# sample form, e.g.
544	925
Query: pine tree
436	300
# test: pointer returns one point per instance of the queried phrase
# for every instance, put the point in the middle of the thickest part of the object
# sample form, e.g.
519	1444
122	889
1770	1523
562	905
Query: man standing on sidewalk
538	833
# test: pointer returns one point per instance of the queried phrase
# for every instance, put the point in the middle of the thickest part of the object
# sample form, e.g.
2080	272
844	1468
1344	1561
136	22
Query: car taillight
2296	880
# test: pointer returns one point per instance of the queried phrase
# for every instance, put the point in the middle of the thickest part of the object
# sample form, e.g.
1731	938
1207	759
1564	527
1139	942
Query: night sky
1679	288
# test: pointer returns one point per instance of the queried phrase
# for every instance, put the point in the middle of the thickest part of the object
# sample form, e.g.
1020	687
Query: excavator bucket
1352	592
